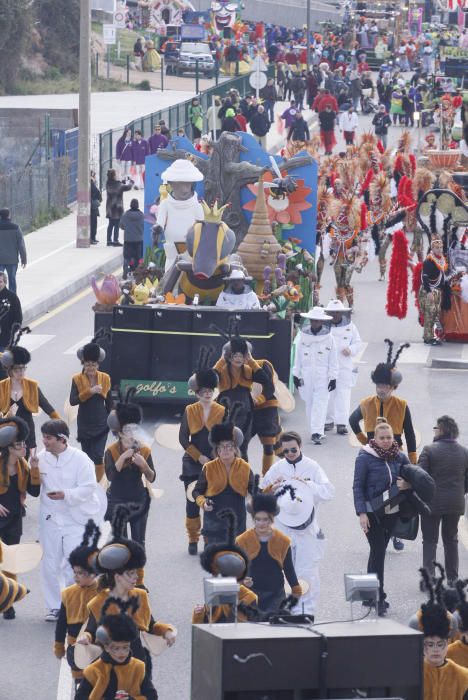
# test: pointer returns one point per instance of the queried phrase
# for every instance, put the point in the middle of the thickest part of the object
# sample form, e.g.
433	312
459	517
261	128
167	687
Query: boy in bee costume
75	598
197	421
227	559
443	678
117	674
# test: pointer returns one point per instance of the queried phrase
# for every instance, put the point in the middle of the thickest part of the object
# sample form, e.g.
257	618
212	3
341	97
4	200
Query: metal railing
38	193
176	117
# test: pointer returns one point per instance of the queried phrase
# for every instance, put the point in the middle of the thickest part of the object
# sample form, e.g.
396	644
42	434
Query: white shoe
52	615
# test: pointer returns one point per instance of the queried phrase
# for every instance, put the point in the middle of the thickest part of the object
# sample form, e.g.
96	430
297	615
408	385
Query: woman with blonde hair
379	470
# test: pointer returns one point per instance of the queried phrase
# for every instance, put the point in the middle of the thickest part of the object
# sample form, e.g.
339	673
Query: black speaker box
378	658
131	345
171	350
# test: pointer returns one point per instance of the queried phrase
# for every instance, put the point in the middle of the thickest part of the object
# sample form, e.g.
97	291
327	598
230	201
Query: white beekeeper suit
246	299
298	520
348	343
62	522
315	364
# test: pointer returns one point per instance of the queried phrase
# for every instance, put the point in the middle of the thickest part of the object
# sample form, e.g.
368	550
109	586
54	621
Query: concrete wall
289	13
21	130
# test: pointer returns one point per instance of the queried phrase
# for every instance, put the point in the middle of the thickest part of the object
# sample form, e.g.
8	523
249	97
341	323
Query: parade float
161	14
230	213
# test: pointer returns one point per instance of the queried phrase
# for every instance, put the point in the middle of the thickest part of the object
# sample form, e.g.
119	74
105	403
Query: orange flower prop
284	209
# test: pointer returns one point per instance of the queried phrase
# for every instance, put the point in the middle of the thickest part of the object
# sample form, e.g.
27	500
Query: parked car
184	59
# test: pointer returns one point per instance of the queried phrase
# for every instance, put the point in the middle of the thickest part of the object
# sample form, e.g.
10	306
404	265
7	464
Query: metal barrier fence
36	192
175	117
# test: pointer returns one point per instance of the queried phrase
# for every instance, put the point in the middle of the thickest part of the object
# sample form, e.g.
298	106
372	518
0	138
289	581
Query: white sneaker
52	615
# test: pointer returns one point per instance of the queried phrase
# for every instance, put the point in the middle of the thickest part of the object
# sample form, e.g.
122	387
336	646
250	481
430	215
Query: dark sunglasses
293	450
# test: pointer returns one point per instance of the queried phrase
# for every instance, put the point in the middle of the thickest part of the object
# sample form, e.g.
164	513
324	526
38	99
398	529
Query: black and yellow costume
31	401
93	410
142	617
194	438
225	491
266	421
14	487
224	613
458	652
103	678
72	615
268	561
127	486
395	410
446	682
235	384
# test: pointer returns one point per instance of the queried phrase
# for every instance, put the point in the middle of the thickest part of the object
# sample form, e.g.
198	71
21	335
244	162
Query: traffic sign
119	18
257	80
258	64
109	33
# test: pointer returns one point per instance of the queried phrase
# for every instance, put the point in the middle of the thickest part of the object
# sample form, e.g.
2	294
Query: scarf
387	455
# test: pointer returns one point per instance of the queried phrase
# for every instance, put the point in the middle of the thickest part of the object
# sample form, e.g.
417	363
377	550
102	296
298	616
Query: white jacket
316	358
348	122
228	300
346	335
73	473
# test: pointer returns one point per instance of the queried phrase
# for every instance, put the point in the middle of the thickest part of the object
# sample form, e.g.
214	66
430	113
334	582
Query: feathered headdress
226	558
235	343
121	554
204	376
117	626
435	619
227	430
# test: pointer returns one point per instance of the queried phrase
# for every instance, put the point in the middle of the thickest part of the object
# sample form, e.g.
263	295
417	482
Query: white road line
56	250
34	341
72	350
65	682
416	354
464	355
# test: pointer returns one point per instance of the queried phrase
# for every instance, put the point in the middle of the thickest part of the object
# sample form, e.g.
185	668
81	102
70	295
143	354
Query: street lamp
308	34
82	217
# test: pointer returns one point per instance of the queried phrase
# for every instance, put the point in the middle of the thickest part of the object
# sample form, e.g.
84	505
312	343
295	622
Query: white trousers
57	544
139	182
339	402
315	395
125	166
306	552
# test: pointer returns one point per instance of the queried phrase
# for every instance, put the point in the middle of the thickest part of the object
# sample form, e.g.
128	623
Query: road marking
416	354
33	342
65	682
72	350
464	355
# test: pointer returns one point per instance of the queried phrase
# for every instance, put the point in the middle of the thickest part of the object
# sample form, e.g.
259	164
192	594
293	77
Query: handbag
406	529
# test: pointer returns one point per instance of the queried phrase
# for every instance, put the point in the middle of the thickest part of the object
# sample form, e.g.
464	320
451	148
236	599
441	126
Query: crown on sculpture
213	214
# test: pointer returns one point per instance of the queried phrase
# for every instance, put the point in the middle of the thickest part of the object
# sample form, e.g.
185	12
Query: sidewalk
57	270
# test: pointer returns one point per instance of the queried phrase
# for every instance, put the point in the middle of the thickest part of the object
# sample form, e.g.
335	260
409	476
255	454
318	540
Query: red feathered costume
397	290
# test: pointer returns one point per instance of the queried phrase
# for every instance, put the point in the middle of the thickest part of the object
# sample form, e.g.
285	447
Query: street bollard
97	66
197	77
108	62
237	68
128	70
162	73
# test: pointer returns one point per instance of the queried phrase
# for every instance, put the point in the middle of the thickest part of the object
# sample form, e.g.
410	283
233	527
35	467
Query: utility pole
82	218
308	34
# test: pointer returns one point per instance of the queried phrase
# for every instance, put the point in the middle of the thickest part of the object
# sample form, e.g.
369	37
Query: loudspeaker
381	658
131	351
171	349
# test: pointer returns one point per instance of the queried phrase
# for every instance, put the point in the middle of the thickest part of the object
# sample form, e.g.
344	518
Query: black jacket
10	313
381	121
259	124
446	461
299	130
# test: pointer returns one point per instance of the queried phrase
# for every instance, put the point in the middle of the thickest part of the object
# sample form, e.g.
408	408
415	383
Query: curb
59	296
449	363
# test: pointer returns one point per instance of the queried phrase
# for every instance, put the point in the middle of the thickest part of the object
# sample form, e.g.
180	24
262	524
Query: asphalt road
29	667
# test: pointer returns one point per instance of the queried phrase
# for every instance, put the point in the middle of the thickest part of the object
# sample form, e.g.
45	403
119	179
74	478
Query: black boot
193	548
